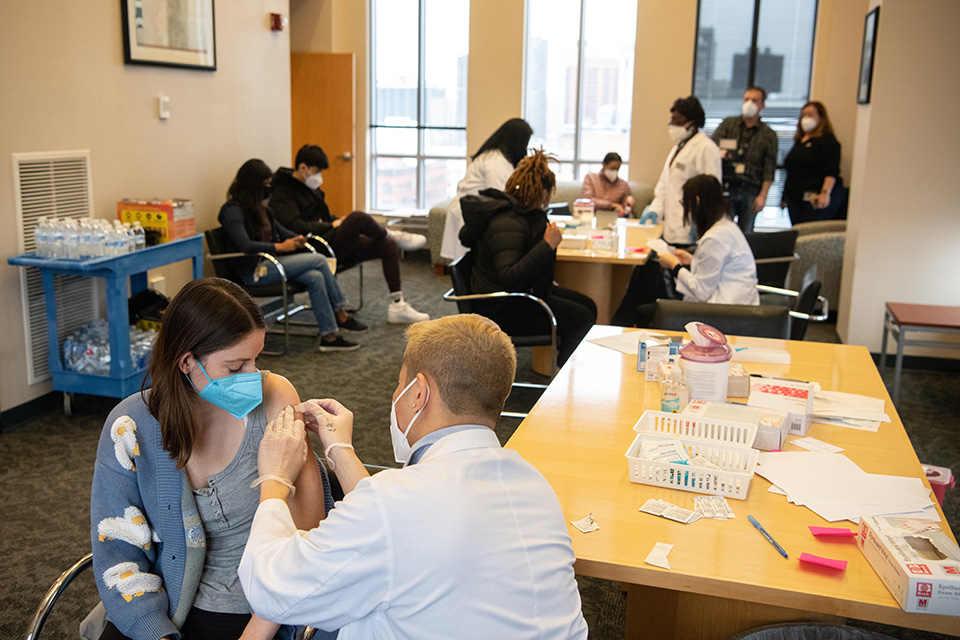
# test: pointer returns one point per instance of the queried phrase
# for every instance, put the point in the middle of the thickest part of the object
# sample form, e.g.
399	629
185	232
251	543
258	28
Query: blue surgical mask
237	394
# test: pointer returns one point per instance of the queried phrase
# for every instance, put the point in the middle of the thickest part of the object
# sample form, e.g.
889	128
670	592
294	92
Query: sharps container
940	479
706	362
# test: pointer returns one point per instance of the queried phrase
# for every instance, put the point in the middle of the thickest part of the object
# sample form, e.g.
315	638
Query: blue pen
766	535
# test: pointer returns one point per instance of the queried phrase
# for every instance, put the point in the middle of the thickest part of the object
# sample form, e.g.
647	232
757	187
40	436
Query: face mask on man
237	394
314	181
808	124
610	174
750	109
678	132
401	446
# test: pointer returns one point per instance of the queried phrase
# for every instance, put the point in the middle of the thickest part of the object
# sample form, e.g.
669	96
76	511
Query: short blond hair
471	359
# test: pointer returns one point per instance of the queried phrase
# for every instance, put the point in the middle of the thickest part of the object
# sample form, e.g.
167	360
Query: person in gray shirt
748	148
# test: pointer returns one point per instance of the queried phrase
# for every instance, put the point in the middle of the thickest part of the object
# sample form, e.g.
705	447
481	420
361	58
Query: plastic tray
725	443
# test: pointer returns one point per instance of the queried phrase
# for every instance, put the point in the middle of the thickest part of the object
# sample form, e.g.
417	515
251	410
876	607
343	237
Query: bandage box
665	368
771	431
793	396
650	355
916	561
738	382
172	219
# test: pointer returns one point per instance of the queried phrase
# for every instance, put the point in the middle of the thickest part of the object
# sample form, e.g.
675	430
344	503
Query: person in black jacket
812	190
515	249
300	205
251	227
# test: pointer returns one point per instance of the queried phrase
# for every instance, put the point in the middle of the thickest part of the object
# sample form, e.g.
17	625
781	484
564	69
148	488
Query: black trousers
575	314
205	625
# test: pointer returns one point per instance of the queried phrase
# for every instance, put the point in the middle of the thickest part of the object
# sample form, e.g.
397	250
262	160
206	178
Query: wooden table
899	319
604	275
725	577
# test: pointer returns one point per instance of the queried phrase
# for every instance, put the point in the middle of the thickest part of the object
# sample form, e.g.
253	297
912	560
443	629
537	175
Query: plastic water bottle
99	239
85	239
140	236
55	233
71	239
41	238
131	238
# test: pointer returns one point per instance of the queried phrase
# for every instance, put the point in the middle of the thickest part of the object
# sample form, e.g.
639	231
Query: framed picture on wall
866	56
170	33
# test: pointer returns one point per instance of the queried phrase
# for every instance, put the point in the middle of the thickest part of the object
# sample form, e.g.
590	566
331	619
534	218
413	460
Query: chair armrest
821	317
451	297
765	288
777	259
258	254
53	594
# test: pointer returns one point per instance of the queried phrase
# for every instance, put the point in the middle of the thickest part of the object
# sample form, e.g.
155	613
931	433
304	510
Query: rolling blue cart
124	379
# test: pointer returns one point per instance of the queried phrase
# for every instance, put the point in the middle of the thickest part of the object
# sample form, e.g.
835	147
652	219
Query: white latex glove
283	449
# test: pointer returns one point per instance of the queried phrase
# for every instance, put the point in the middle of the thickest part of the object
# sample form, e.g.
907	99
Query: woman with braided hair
515	249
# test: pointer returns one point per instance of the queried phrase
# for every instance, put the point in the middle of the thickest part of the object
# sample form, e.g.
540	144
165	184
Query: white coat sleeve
327	577
700	282
660	191
709	161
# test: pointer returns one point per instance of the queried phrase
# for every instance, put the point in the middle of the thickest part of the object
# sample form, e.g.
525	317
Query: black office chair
802	304
336	266
773	252
469	302
732	319
283	290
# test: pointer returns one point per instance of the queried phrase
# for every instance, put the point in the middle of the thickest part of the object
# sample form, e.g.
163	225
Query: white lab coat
468	543
699	155
723	268
490	170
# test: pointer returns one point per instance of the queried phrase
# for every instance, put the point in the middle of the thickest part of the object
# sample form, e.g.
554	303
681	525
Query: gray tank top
227	506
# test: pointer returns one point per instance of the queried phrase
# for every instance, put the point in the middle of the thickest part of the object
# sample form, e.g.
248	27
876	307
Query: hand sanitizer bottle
674	393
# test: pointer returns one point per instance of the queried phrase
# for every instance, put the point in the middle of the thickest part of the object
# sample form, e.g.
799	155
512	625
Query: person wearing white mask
300	204
467	540
748	148
813	190
692	154
607	189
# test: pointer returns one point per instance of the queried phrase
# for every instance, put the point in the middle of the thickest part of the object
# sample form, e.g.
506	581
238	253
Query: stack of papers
849	410
669	511
835	488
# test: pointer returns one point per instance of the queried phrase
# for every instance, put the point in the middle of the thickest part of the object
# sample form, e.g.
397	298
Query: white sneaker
408	241
402	313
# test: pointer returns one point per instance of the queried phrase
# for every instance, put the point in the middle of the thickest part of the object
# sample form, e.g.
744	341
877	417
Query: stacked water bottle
88	350
86	238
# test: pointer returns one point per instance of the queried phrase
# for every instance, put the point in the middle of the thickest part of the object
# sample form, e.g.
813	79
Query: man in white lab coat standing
467	540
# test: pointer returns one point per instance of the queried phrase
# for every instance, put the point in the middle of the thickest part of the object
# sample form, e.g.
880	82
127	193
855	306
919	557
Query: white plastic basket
725	443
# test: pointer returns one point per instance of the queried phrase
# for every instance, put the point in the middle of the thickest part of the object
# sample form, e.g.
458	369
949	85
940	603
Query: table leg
898	365
661	614
883	340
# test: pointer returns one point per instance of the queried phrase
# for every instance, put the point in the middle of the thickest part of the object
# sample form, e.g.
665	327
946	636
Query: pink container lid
708	344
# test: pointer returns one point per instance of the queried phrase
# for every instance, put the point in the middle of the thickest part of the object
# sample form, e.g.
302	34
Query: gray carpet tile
46	464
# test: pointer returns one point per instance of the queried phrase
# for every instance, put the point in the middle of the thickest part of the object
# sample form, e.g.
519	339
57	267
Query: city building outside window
418	71
578	80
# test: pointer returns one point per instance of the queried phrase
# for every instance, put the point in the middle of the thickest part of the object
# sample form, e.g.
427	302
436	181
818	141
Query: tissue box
916	561
573	241
738	384
173	219
771	431
793	396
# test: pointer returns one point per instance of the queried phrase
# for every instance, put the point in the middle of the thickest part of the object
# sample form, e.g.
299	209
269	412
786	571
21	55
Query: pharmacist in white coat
693	154
467	540
489	168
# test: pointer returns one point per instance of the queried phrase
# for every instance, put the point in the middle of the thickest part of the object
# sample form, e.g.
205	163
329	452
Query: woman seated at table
515	249
722	270
607	189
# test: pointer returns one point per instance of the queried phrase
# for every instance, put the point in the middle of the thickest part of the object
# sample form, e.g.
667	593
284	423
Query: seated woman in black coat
515	249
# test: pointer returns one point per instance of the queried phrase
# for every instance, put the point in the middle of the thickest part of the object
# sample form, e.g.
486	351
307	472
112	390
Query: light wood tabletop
725	576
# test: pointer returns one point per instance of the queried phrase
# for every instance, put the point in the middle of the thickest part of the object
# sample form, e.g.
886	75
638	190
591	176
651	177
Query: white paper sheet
837	404
626	342
812	444
658	555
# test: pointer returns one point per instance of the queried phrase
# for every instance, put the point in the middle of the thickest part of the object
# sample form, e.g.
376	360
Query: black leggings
360	238
205	625
575	314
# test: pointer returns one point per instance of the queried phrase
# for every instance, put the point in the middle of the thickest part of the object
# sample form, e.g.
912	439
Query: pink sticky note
832	531
839	565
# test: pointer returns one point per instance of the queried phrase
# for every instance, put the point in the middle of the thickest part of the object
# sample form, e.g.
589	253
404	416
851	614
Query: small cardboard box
771	431
172	219
916	561
793	396
738	384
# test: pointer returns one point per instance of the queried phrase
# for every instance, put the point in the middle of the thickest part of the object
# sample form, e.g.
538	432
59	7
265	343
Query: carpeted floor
46	464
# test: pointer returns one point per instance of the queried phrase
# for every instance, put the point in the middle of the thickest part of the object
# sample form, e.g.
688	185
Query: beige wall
65	87
903	220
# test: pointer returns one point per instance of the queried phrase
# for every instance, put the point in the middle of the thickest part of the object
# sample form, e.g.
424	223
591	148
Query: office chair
803	304
732	319
285	289
336	266
773	252
469	302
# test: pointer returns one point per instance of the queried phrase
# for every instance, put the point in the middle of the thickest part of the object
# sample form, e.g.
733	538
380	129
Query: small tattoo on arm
330	427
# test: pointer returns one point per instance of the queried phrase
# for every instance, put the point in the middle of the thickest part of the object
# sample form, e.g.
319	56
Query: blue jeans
312	270
741	200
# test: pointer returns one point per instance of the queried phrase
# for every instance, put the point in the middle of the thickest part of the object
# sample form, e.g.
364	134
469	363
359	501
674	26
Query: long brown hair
703	202
531	178
248	191
208	314
822	128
